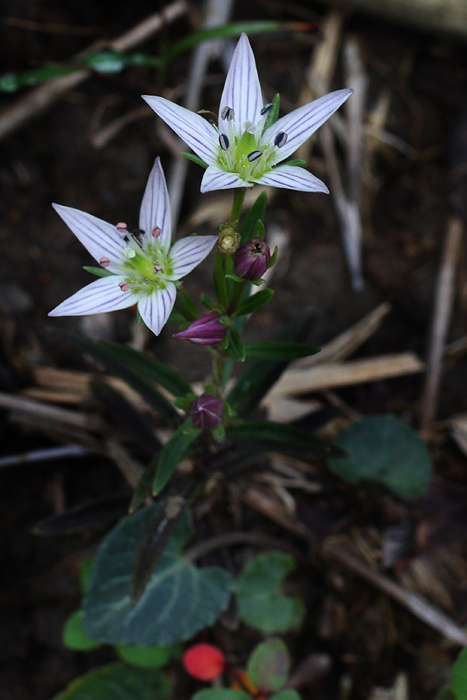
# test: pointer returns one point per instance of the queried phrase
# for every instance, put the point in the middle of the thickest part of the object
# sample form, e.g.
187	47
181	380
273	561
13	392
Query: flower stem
237	204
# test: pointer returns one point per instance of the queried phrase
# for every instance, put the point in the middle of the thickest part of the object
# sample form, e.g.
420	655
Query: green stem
237	204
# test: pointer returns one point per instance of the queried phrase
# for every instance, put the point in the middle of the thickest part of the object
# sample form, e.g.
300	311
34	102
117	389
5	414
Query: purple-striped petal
155	208
188	252
216	179
300	124
155	308
242	91
196	131
292	177
100	239
102	295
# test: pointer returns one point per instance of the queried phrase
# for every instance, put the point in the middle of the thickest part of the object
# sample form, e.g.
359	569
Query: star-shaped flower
240	152
144	269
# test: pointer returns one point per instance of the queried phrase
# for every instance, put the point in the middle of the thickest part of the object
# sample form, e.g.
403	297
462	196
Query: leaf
85	516
273	113
117	681
278	437
261	602
254	302
179	600
221	694
174	450
195	159
287	694
269	665
278	351
383	449
74	637
150	657
459	676
149	367
234	345
255	214
97	271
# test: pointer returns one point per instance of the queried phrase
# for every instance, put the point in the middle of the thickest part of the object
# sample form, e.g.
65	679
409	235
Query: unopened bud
206	411
206	330
252	259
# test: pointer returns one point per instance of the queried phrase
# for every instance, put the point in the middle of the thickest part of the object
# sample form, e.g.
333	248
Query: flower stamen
227	114
254	155
104	262
122	227
266	108
124	286
224	142
281	139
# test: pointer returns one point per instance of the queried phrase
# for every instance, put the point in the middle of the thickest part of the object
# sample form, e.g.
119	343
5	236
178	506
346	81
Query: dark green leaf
196	159
277	351
74	637
268	436
221	694
269	665
383	449
255	214
117	681
234	345
459	676
261	602
147	657
254	302
179	600
174	450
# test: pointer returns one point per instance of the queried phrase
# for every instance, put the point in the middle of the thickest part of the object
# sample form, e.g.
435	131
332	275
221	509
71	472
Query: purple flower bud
206	330
252	259
206	411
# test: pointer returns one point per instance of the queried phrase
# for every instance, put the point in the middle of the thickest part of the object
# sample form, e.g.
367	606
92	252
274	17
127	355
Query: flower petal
292	177
102	295
155	308
215	178
98	237
198	133
303	122
188	252
155	207
242	91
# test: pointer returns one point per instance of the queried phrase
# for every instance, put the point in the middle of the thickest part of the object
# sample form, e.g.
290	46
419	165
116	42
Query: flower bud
206	411
206	330
204	662
229	239
252	259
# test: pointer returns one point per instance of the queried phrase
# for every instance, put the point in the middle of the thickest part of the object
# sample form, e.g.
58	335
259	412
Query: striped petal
188	252
155	308
216	179
100	239
102	295
191	127
300	124
242	91
155	207
292	177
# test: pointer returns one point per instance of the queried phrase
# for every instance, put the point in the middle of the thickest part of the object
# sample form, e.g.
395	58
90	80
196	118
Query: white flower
239	152
144	268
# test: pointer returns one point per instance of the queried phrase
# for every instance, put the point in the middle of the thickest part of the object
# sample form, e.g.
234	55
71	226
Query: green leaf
297	161
234	345
85	572
269	665
196	159
98	271
151	657
269	436
255	214
220	694
287	694
73	635
254	302
174	450
273	113
446	694
459	676
117	681
147	366
261	602
139	383
277	351
179	599
383	449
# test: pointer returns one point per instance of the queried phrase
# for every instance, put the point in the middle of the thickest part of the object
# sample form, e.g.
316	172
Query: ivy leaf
117	681
151	657
261	602
74	637
269	665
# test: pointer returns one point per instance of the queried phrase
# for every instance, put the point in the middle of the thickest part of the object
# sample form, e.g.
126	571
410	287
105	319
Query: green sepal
273	258
195	159
184	402
273	113
235	278
277	351
98	271
296	161
254	302
255	214
174	450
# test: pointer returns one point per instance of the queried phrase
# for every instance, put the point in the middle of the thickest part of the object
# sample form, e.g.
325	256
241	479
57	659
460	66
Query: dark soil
52	158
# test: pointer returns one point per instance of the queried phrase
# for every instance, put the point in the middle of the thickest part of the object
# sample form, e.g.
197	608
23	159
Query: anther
227	114
224	142
254	155
124	286
156	232
104	262
266	108
281	139
122	227
157	268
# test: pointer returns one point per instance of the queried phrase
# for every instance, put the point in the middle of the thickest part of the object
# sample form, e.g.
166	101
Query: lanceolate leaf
254	302
174	450
279	437
179	599
278	351
117	681
256	213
